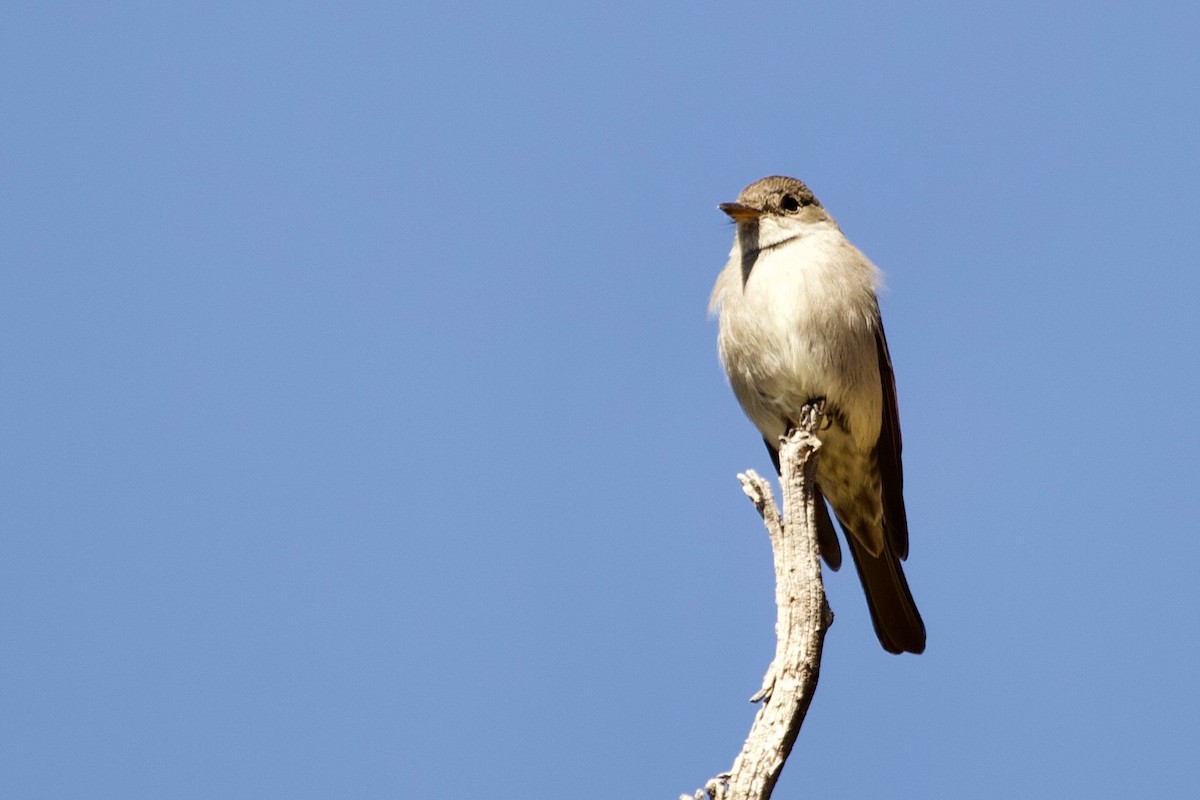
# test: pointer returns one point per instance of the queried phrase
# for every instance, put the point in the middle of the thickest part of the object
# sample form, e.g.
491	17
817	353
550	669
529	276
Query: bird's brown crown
778	195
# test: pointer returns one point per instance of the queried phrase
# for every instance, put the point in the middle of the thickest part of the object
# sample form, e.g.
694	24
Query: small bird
798	323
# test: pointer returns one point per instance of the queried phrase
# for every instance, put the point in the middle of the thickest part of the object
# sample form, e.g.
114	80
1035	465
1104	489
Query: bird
799	323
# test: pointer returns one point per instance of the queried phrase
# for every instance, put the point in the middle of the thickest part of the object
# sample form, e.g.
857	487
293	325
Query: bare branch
803	618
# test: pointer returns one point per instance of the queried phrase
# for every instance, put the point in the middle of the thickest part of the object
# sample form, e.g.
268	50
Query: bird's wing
888	451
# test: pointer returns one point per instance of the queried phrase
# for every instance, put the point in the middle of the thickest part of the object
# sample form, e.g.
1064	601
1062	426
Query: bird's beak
739	213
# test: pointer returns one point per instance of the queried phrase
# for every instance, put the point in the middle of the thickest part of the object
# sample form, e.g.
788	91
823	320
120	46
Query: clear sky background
362	433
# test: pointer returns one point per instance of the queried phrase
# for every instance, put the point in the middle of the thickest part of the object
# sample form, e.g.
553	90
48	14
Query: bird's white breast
801	325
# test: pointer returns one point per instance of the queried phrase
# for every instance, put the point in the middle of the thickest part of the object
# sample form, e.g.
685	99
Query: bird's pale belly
786	372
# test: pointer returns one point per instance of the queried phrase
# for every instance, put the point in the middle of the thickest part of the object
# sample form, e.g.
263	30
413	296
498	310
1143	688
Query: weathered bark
803	618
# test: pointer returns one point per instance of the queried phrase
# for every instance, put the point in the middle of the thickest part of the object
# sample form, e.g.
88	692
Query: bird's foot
813	409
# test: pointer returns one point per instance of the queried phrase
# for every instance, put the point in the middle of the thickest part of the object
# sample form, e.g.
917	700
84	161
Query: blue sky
362	433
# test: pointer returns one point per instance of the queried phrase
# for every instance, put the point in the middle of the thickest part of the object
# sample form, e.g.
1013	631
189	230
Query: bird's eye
789	203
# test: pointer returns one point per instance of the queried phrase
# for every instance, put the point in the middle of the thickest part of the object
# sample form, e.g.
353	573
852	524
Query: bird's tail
894	613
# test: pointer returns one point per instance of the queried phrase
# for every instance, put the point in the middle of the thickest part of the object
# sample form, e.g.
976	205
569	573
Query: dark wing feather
895	521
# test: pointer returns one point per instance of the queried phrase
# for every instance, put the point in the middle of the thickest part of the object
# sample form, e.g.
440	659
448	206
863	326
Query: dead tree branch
803	618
